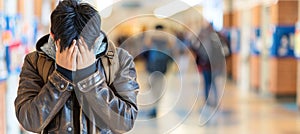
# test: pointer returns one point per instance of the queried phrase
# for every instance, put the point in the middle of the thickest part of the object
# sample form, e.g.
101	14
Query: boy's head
72	19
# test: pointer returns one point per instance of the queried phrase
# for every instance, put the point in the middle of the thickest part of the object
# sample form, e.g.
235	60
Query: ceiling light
174	7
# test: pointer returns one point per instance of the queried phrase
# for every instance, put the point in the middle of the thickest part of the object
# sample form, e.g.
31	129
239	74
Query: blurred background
253	86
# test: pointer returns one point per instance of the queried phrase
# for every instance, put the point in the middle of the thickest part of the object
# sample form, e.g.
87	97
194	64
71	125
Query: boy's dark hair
72	19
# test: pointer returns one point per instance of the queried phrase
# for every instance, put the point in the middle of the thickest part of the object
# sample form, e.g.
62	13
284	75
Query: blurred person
159	47
208	56
121	39
76	81
135	44
139	43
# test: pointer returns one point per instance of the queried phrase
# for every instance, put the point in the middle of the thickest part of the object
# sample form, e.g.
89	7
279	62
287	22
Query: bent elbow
28	123
29	127
127	123
126	127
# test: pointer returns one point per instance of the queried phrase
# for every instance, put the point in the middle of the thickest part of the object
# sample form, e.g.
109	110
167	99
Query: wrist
65	72
85	72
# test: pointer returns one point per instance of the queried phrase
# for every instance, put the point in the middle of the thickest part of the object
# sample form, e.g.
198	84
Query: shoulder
115	52
123	54
34	56
30	60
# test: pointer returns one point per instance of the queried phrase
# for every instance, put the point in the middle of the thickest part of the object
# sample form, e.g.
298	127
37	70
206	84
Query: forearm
36	106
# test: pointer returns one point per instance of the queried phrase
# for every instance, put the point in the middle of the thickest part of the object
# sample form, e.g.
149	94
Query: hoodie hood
46	45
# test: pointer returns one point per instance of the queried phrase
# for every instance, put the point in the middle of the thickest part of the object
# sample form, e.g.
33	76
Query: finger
74	58
74	53
88	54
79	43
71	49
81	48
79	58
84	44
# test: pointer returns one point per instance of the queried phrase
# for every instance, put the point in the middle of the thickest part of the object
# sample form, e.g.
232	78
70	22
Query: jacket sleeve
37	103
113	107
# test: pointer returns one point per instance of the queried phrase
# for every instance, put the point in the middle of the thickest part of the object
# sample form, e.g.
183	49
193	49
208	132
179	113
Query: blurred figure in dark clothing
158	46
121	38
209	58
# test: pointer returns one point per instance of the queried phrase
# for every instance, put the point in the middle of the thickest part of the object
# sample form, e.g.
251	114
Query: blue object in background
228	37
281	46
235	40
35	30
226	32
7	59
254	42
10	24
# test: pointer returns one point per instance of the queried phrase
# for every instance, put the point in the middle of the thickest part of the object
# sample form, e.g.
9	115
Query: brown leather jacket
104	102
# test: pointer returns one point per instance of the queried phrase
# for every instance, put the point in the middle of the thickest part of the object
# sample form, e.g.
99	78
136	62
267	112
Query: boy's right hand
67	58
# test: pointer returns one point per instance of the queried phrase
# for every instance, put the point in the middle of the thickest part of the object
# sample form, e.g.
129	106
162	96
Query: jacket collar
110	52
41	42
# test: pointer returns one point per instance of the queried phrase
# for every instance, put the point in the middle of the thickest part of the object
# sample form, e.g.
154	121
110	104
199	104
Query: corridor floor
240	112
